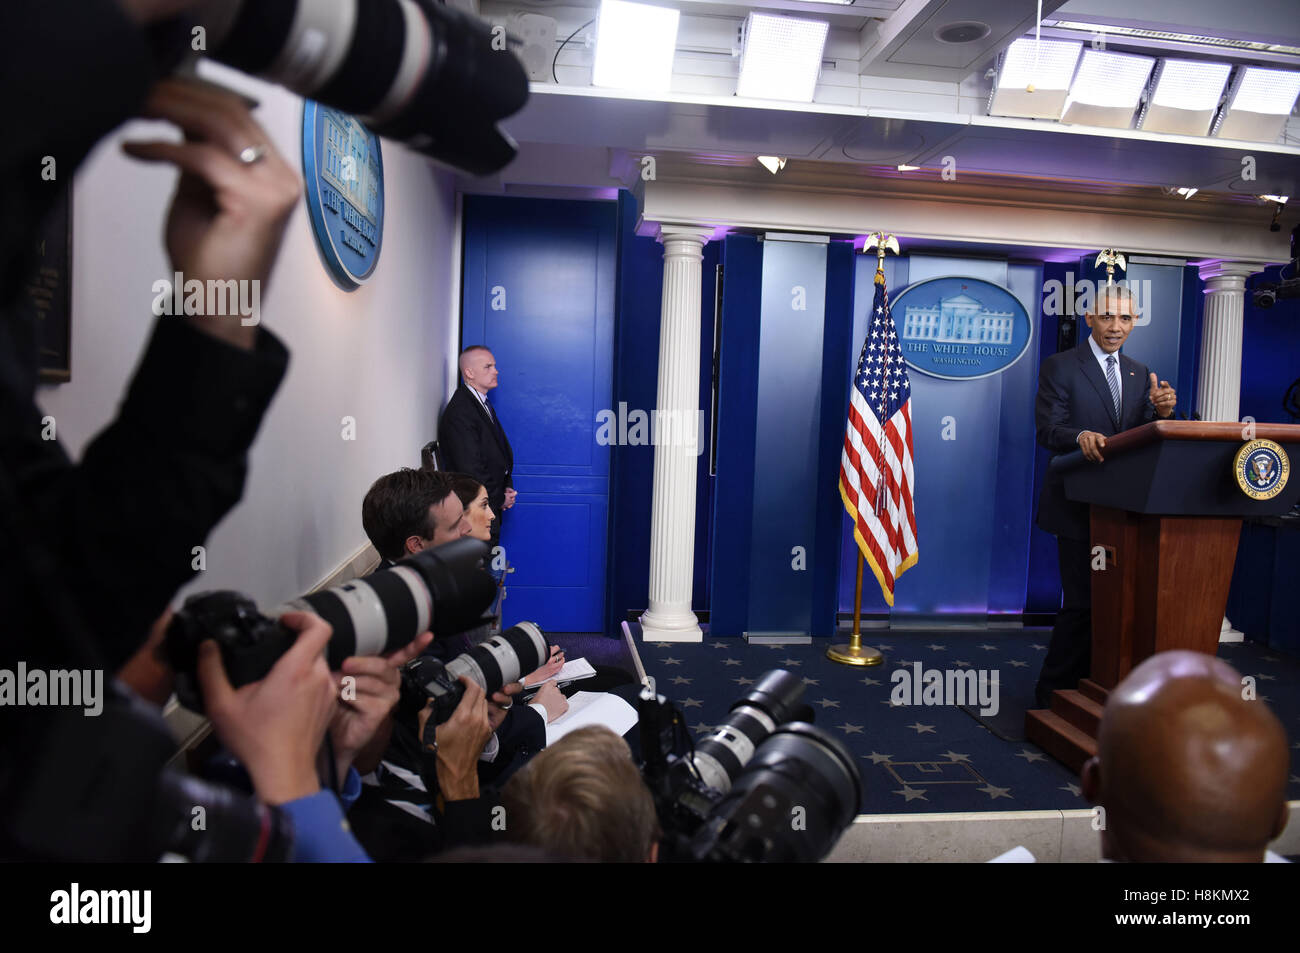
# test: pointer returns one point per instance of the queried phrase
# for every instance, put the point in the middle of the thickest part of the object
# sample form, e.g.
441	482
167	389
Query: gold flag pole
854	652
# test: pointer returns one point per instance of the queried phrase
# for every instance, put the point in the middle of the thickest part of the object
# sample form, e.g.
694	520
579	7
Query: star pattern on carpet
1016	771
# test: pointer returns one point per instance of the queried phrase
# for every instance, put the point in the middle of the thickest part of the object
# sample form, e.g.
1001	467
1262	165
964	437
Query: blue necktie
1112	378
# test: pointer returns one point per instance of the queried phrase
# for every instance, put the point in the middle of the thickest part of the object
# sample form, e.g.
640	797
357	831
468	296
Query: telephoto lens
499	661
773	701
425	74
444	589
792	802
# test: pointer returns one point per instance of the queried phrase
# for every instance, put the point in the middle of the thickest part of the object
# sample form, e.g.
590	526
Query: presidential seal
1261	468
344	172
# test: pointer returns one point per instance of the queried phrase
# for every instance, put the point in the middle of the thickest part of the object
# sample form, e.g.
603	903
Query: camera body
500	660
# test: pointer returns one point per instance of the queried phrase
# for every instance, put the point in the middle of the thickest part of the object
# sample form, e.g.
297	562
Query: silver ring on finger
253	154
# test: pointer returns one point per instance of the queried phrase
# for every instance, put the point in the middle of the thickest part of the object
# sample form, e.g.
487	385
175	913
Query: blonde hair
583	798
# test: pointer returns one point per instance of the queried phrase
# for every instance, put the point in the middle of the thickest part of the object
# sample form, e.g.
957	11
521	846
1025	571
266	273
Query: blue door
539	291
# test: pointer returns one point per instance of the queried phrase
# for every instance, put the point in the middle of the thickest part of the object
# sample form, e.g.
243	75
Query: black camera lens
417	71
798	793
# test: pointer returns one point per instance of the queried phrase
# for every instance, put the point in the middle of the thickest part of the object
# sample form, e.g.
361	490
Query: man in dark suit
470	436
1084	396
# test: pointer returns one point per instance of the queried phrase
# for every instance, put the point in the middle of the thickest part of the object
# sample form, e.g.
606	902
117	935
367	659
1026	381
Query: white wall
382	354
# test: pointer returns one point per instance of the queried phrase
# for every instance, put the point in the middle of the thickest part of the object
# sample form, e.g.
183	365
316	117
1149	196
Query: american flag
876	479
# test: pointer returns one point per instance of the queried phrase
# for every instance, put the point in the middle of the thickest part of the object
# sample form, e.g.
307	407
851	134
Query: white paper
570	672
592	708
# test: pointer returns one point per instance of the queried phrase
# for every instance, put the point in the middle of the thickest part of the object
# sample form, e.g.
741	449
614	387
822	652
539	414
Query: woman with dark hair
474	496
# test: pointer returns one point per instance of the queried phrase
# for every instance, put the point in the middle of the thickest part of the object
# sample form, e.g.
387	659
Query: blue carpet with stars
920	759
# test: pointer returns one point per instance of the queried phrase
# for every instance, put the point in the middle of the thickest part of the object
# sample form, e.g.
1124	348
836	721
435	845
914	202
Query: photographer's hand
362	724
228	215
275	726
461	739
500	703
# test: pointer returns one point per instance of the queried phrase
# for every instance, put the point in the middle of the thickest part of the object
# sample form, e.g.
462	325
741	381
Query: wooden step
1063	741
1094	691
1079	710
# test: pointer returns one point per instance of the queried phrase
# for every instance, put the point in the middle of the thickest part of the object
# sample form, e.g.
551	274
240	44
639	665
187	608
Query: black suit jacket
1073	396
469	441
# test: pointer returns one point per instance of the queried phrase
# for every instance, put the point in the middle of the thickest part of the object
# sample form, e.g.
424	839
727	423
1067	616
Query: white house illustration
958	318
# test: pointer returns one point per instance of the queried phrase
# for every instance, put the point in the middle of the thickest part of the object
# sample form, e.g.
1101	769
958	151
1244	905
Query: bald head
479	368
1187	769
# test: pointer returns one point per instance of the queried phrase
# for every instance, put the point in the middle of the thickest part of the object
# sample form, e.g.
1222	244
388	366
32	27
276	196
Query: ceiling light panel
1185	97
781	57
1106	89
635	43
1047	66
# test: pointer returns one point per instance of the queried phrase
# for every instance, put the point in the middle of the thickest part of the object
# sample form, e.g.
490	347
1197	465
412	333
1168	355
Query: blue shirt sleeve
321	833
351	789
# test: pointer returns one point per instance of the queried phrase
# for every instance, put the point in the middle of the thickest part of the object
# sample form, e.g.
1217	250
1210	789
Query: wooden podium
1166	512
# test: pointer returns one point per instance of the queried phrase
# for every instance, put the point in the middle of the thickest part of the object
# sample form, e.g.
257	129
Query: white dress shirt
1102	356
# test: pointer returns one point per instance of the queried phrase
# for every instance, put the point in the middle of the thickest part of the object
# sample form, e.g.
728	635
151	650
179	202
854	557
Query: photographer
99	548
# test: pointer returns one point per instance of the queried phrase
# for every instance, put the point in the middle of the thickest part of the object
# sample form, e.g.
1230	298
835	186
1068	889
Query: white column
672	523
1218	394
1218	389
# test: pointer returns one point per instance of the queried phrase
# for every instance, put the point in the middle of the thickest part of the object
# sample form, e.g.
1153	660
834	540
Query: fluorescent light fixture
773	164
1034	78
781	57
635	43
1185	97
908	168
1258	104
1106	89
